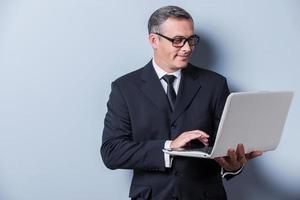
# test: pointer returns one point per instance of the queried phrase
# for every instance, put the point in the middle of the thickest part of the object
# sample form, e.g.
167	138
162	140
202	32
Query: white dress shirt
160	73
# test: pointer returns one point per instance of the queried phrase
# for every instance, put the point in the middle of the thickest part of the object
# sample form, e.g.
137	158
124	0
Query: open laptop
255	119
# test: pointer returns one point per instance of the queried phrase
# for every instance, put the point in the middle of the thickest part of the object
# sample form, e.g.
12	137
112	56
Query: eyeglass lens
180	41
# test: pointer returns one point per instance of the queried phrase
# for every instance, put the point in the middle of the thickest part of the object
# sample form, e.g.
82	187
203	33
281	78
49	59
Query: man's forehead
178	27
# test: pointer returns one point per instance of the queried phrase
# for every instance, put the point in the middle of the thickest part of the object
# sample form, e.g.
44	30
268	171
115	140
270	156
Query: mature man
169	103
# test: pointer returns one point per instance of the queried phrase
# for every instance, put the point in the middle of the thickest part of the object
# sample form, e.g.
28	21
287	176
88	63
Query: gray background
58	58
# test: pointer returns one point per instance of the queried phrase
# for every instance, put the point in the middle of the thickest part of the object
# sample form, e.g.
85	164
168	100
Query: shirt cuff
224	173
168	158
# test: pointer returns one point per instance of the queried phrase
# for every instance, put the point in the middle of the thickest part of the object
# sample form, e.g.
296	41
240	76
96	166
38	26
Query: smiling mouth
183	57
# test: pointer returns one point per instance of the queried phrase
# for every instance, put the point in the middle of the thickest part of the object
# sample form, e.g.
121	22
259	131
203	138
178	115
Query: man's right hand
184	138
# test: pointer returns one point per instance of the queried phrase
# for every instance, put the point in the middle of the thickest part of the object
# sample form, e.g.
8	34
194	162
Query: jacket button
173	126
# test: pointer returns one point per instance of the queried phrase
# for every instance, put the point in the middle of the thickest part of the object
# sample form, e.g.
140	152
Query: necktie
170	90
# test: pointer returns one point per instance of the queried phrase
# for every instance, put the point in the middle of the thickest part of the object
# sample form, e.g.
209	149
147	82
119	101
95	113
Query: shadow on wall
250	184
205	54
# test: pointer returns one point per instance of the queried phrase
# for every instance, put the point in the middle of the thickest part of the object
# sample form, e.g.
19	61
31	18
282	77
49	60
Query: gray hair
162	14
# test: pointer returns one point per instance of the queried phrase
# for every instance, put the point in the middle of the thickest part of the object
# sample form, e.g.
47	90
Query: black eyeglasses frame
185	40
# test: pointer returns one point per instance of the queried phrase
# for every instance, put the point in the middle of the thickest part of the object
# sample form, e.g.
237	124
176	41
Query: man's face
165	55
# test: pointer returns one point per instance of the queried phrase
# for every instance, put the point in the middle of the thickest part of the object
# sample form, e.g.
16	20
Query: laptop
254	119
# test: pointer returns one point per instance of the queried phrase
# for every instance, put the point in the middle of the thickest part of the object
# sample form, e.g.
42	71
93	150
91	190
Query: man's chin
181	65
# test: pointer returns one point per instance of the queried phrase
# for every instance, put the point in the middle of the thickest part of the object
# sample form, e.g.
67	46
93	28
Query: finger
203	134
203	140
200	136
253	154
187	138
257	153
192	136
205	143
240	150
198	132
222	162
197	135
241	154
232	155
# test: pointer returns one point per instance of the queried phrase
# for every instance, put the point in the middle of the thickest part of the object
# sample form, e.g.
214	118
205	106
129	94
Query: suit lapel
189	87
152	88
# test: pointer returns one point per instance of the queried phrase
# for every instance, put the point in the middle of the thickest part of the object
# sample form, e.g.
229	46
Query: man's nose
186	47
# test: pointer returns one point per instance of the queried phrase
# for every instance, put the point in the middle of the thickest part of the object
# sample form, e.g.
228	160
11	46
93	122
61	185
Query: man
169	103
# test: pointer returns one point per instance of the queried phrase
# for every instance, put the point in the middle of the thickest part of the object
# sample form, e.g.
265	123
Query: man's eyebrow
180	36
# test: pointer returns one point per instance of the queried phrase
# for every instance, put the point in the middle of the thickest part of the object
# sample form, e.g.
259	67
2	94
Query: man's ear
153	40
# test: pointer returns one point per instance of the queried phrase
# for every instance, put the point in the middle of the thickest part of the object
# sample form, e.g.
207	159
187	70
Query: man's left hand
235	159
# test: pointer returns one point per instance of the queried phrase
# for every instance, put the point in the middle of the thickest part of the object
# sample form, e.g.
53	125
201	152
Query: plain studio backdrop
58	58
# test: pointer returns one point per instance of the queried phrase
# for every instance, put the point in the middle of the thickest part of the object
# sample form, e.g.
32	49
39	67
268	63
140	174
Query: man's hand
236	159
184	138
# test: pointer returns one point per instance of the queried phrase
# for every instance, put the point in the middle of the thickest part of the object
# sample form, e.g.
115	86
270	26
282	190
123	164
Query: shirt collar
160	72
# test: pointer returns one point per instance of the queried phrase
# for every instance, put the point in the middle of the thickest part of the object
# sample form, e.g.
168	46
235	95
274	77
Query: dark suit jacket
139	121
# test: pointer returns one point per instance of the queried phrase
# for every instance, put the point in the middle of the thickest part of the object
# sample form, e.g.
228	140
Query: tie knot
169	79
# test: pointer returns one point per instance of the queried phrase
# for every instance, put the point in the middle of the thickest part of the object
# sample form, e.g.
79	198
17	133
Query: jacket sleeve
220	103
119	150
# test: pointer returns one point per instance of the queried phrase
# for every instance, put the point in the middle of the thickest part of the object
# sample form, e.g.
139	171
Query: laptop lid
255	119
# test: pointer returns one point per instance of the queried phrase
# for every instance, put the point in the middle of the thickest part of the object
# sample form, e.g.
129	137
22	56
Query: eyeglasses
180	41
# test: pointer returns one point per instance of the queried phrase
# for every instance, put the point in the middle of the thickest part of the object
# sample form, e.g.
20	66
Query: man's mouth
183	57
